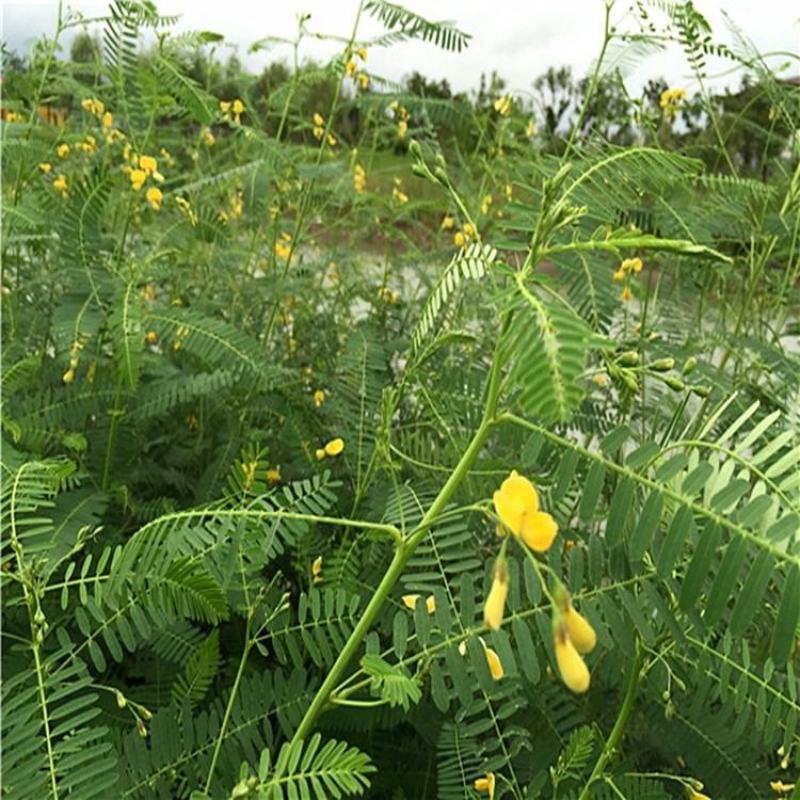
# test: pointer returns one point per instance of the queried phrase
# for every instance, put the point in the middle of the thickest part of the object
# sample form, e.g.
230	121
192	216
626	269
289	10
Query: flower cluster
670	100
503	105
463	237
351	69
232	110
283	247
629	267
359	179
401	115
398	193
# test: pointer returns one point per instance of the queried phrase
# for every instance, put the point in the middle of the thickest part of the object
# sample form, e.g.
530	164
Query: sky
518	38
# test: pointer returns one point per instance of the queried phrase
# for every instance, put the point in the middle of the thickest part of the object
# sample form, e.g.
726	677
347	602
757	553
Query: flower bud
701	391
662	364
572	667
121	699
630	358
676	384
580	631
415	149
496	600
689	365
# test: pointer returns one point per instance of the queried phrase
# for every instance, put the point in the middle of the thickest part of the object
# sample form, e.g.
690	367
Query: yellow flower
186	209
631	265
601	379
62	150
316	569
282	250
224	106
154	197
517	505
359	179
60	185
486	784
362	53
148	164
273	475
334	447
626	295
495	665
318	132
138	177
93	106
237	108
448	223
151	337
363	81
508	190
319	120
320	453
496	600
402	129
580	631
779	787
503	105
572	667
69	376
410	602
619	275
530	129
331	140
486	204
695	795
350	67
207	137
319	397
469	230
459	240
107	119
45	167
398	193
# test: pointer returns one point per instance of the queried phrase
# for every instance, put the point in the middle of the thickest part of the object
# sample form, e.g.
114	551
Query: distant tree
417	84
85	49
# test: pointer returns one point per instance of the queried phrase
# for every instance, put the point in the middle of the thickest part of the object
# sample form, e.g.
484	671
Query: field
371	438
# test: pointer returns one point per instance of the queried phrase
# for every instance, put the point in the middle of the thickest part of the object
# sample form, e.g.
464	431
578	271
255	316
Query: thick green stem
619	725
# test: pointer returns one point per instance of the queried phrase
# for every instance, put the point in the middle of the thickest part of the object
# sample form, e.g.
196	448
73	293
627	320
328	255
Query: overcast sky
518	38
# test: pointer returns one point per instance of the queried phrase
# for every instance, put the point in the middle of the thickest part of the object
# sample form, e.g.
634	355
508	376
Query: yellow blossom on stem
359	179
316	570
496	600
362	53
107	120
459	240
319	453
334	447
402	129
237	108
779	787
626	295
469	230
486	204
494	663
410	601
517	505
60	185
350	67
486	784
331	140
45	167
154	197
62	151
69	376
530	129
619	275
693	794
148	164
207	137
363	81
273	475
580	632
503	105
319	397
151	337
631	265
137	178
572	667
282	249
448	223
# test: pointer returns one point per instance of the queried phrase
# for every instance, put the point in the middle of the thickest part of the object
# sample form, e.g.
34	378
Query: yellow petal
430	604
538	531
515	499
572	667
334	447
580	631
495	665
496	601
410	600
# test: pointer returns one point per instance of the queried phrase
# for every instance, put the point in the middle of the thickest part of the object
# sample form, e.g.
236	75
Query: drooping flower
151	337
627	295
282	249
459	240
62	151
107	120
581	633
693	794
448	223
154	197
517	505
148	164
45	167
350	67
572	667
273	474
238	109
402	129
496	600
494	663
631	265
398	193
363	81
486	784
316	570
359	179
486	204
779	787
362	53
319	397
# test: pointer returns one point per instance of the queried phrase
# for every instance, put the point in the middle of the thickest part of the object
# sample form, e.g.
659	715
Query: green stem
248	643
403	552
619	725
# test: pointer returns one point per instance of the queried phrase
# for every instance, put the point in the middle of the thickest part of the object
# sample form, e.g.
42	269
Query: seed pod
662	364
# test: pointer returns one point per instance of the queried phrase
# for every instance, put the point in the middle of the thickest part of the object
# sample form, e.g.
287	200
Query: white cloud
518	38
